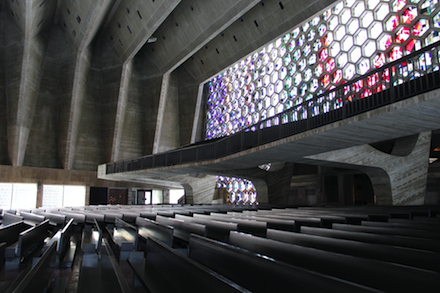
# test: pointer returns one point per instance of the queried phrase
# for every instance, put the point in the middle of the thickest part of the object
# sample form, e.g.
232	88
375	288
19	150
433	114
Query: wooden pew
165	270
410	225
410	242
410	257
91	238
388	231
125	236
32	219
215	229
35	278
243	225
149	228
382	275
259	273
101	274
182	230
9	218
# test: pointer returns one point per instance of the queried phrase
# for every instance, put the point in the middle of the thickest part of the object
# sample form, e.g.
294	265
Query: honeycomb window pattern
345	41
240	191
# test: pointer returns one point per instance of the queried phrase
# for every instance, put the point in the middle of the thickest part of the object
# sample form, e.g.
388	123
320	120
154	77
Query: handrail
413	74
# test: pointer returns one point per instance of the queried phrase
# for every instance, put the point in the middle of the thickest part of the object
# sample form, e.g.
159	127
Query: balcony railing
404	78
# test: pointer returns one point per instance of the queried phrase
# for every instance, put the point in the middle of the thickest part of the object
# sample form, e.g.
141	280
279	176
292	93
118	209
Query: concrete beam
397	180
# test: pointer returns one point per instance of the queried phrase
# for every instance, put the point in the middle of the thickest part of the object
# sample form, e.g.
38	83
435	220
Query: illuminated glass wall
345	41
63	195
18	196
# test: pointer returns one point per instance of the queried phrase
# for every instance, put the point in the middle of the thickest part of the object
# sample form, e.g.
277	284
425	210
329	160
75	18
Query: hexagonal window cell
358	8
322	28
263	71
402	35
323	54
428	7
317	45
291	45
334	49
436	20
413	44
360	37
279	108
375	30
266	59
266	80
318	70
382	11
363	66
273	54
307	74
325	81
338	8
283	72
311	35
369	48
315	21
293	93
270	68
295	32
330	65
274	77
392	23
296	55
269	47
278	42
263	93
305	26
287	59
297	78
255	75
288	82
284	96
307	49
341	60
398	5
349	71
279	86
302	64
395	53
328	39
314	85
409	15
421	27
275	99
303	89
278	63
347	43
286	38
354	54
291	69
379	60
260	83
312	60
384	42
333	22
326	15
270	89
248	78
259	63
371	4
345	16
353	26
301	40
337	77
339	33
282	50
366	19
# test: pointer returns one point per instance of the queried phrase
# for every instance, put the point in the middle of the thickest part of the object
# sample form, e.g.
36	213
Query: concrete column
167	127
122	104
398	178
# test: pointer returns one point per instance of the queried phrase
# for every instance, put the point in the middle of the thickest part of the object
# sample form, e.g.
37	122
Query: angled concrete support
398	178
199	189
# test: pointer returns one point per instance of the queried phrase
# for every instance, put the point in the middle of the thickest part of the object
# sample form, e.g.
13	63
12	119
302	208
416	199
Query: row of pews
225	248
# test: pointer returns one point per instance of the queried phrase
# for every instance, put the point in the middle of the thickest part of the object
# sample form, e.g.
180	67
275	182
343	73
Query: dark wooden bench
165	270
149	228
91	238
388	231
244	225
35	278
32	219
382	275
259	273
410	242
125	236
409	225
182	230
101	274
9	218
215	229
416	258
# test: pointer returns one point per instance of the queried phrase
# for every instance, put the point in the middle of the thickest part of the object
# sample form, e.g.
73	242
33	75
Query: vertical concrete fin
120	111
167	127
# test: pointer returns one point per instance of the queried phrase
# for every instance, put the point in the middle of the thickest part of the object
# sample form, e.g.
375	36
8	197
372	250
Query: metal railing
409	76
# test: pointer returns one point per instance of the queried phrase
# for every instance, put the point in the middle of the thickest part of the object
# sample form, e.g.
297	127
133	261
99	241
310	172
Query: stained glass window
240	191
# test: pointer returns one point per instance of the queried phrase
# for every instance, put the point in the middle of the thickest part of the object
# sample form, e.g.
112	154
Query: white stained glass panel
74	196
175	195
5	195
52	196
157	197
24	196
